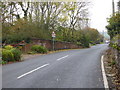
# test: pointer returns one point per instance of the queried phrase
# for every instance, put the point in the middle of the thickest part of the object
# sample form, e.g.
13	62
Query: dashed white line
32	71
62	57
39	68
104	75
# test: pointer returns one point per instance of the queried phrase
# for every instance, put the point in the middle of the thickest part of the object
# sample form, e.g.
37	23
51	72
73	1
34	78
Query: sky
100	10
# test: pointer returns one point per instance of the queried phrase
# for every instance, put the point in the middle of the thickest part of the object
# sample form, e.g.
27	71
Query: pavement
79	68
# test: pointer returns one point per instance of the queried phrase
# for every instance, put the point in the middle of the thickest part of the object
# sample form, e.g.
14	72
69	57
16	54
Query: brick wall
49	45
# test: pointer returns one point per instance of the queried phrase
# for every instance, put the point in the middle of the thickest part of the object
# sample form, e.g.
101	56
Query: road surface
79	68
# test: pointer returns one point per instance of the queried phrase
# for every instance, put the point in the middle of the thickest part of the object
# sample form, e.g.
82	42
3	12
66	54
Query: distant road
79	68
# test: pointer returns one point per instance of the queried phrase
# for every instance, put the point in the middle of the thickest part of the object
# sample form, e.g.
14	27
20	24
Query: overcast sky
99	12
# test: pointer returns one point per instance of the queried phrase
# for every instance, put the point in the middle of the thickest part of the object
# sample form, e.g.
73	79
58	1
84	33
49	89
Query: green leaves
114	25
39	49
7	55
11	54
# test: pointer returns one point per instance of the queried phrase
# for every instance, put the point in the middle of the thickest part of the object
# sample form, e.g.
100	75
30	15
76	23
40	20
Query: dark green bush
17	54
7	55
3	62
39	49
85	41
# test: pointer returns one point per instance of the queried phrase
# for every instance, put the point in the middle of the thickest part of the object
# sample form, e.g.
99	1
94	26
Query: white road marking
62	57
104	75
32	71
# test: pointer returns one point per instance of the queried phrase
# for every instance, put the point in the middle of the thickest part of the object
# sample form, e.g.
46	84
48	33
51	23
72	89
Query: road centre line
62	57
32	71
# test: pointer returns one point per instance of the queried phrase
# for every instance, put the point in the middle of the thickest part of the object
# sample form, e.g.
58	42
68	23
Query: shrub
8	47
17	54
85	41
44	50
32	52
11	54
35	48
39	49
79	44
7	55
3	62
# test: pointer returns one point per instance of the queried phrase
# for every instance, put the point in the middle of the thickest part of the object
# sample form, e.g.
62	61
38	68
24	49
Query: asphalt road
79	68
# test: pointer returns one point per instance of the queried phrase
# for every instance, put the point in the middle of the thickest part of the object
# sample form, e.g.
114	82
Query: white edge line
104	74
32	71
62	57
